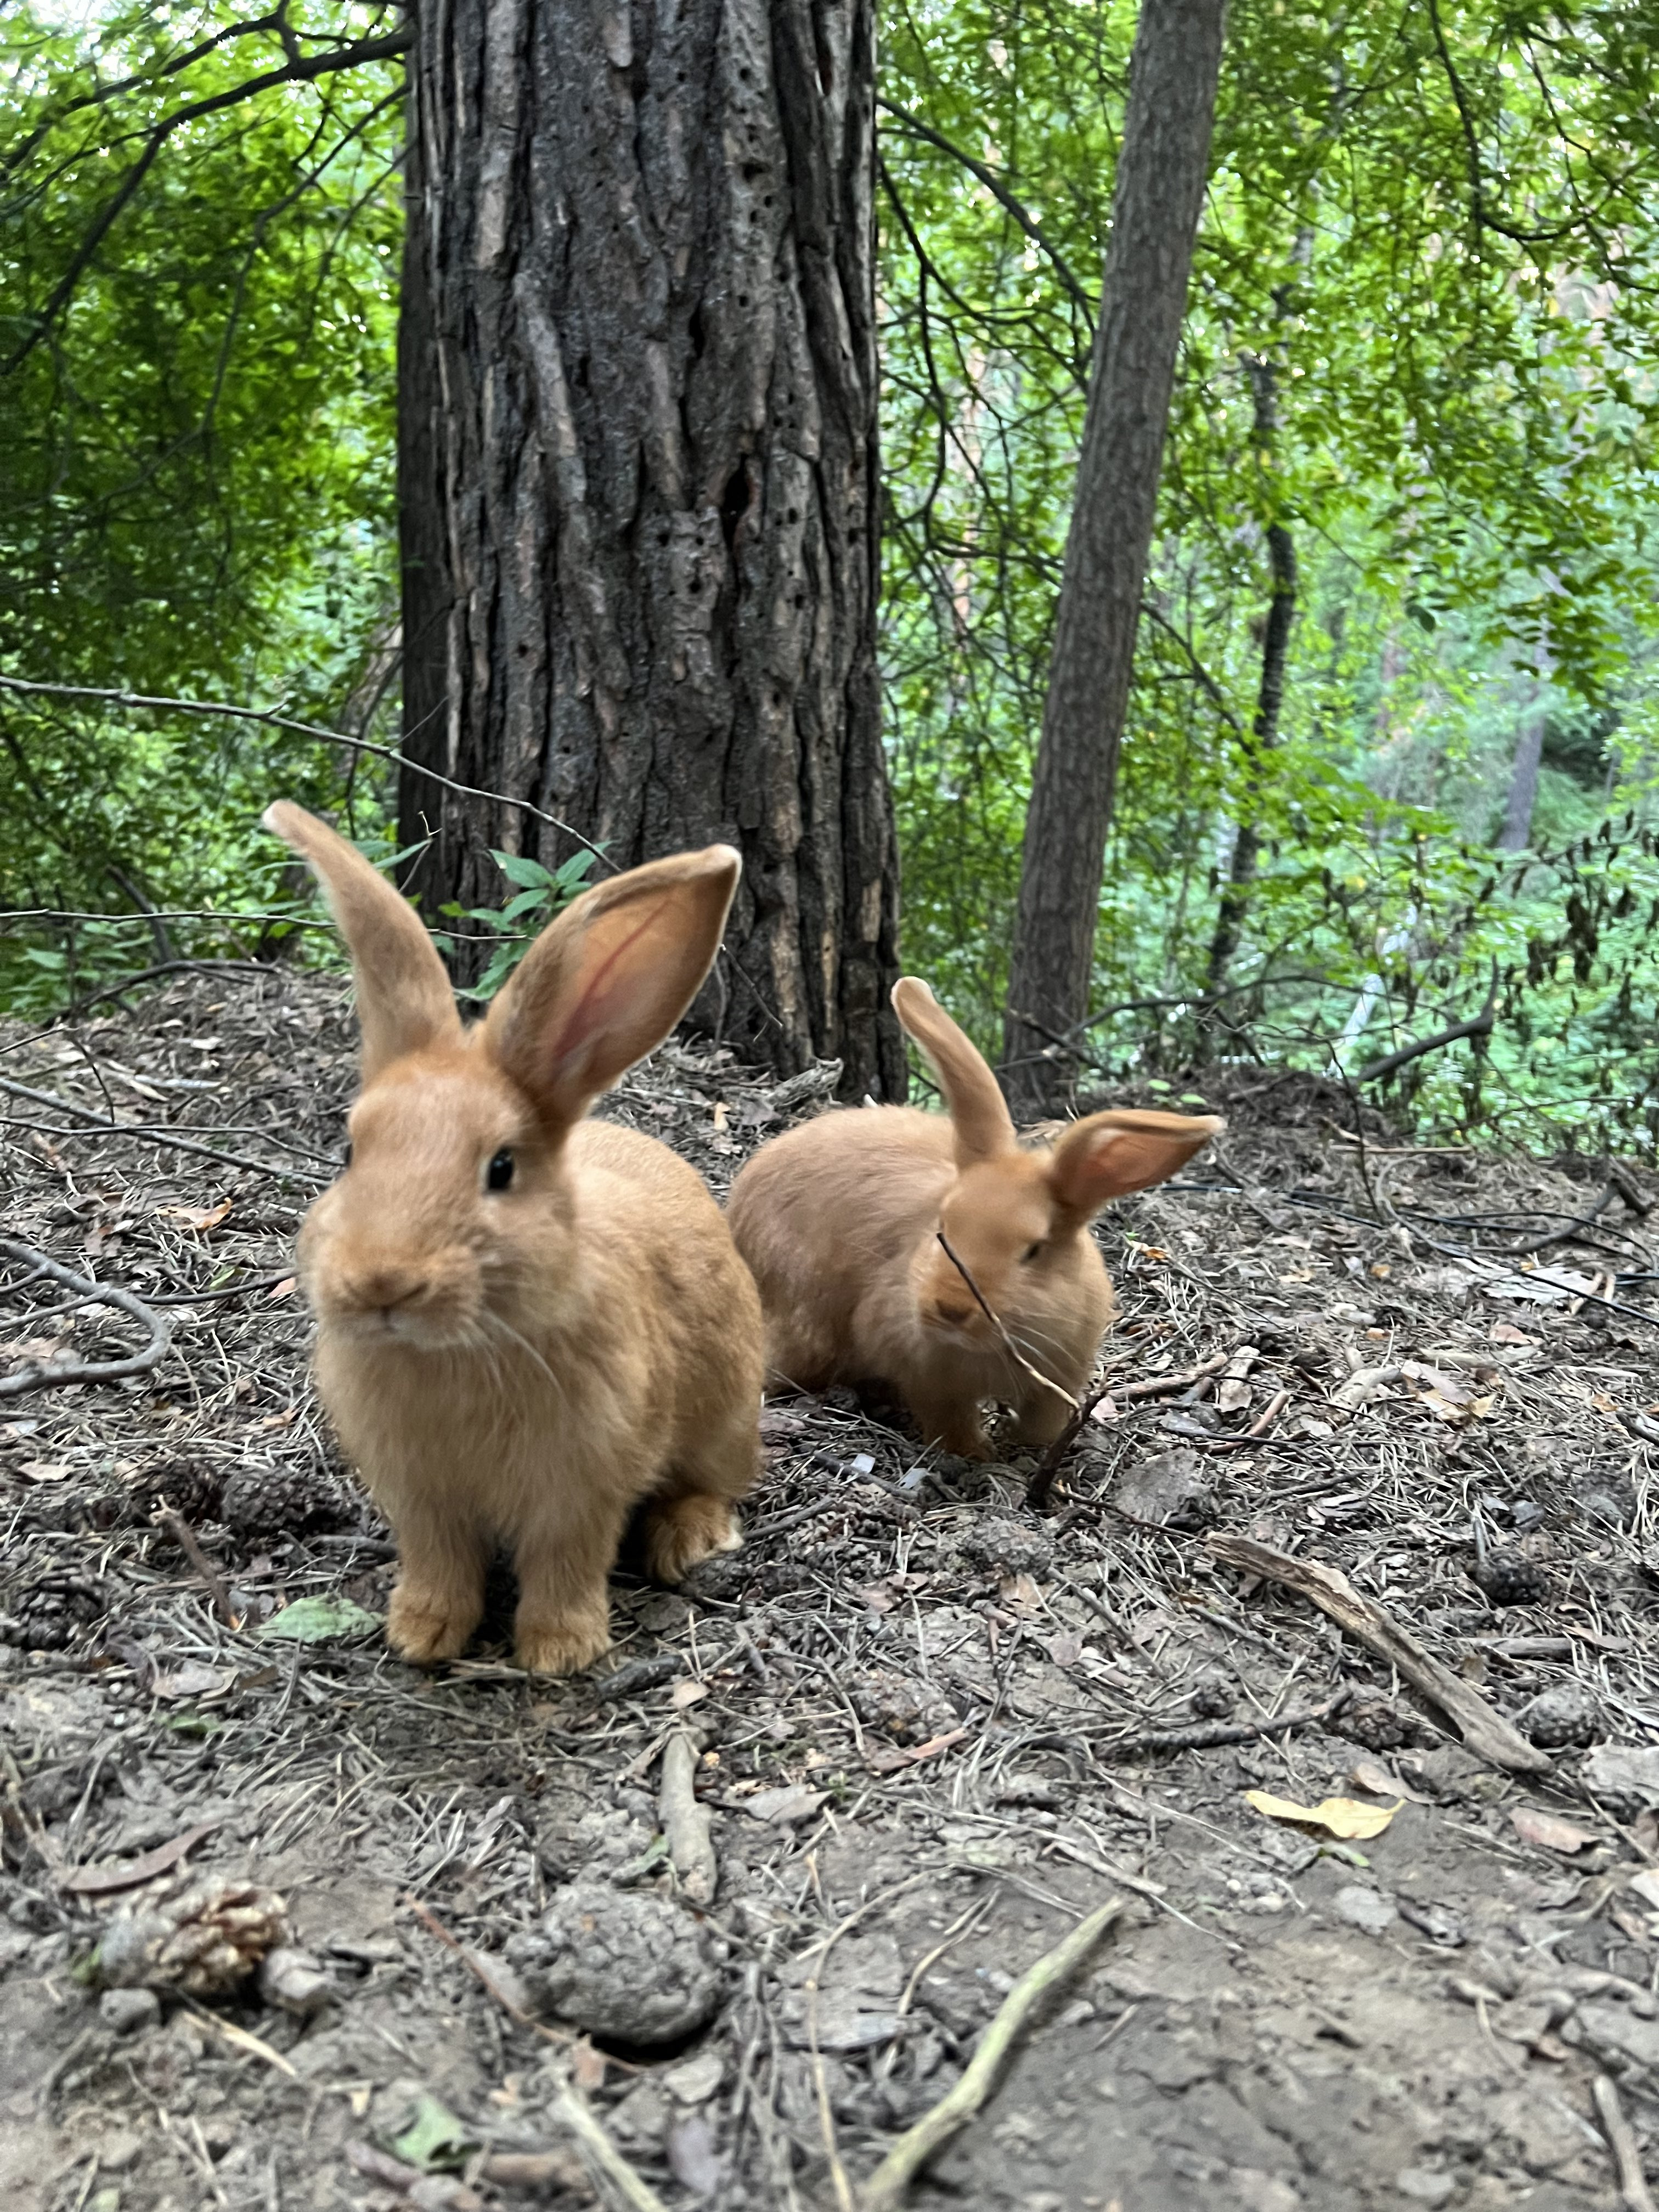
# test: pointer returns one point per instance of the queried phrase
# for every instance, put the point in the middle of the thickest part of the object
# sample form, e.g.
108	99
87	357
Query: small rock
118	2151
1006	1547
639	2119
1171	1489
1425	2186
1029	1789
1565	1716
693	2081
294	1981
1623	1777
126	2012
621	1963
1611	1502
1364	1907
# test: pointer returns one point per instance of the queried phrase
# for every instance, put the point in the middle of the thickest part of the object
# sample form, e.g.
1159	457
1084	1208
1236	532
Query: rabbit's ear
404	1001
1111	1153
605	983
979	1113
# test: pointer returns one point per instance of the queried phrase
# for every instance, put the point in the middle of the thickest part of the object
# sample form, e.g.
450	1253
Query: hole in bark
582	374
826	71
792	514
694	332
734	499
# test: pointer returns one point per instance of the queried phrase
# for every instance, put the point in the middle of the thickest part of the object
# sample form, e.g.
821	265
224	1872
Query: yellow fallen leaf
1341	1816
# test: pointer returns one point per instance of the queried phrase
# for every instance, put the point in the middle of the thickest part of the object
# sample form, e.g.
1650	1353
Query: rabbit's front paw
682	1531
423	1626
562	1648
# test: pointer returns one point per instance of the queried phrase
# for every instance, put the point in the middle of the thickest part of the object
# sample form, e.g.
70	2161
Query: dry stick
1012	1350
1210	1735
685	1823
568	2105
1482	1729
185	1537
1042	1484
147	1135
885	2190
35	1378
1621	2138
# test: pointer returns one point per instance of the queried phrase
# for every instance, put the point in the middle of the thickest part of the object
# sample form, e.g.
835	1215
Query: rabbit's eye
1030	1253
499	1173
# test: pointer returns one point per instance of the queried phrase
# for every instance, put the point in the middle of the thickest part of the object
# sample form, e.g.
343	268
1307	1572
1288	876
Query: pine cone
1376	1723
262	1501
206	1941
1212	1700
49	1613
190	1487
1565	1719
1510	1578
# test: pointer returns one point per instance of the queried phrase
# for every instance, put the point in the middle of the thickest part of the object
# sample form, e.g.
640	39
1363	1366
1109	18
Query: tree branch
34	1376
1478	1025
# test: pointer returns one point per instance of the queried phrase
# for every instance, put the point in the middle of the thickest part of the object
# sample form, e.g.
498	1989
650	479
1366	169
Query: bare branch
34	1376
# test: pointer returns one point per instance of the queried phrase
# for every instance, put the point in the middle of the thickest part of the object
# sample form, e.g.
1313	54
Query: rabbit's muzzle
429	1299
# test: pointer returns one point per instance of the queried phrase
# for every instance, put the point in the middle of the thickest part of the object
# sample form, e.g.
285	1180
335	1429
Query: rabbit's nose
954	1314
381	1289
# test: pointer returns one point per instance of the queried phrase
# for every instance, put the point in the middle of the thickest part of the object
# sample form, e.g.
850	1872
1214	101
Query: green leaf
434	2139
319	1620
519	868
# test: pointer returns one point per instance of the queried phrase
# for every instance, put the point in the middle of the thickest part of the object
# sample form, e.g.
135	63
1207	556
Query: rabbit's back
829	1218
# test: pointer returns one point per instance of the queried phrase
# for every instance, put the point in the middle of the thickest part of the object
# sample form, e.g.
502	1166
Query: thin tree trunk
1516	833
639	477
1156	205
1269	701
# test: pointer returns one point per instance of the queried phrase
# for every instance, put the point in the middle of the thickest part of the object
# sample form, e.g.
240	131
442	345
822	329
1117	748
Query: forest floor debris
911	1737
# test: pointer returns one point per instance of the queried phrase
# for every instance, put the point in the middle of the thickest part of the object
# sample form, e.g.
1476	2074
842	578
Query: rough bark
1269	701
638	477
1157	201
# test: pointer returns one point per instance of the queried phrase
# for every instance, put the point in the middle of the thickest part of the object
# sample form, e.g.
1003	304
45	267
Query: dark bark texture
1157	201
639	477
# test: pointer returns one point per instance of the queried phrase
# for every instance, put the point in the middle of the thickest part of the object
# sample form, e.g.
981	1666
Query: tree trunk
1264	729
1516	833
638	478
1156	204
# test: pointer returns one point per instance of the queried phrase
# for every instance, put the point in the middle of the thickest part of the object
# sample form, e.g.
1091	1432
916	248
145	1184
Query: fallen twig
185	1537
1012	1350
1209	1736
1040	1488
1482	1729
1621	2139
432	2192
1159	1386
36	1377
685	1823
887	2186
147	1135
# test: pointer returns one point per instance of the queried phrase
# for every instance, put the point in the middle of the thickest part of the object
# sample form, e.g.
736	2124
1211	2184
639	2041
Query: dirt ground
931	1727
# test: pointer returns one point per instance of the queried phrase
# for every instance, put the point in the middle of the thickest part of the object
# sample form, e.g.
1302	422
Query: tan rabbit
528	1321
840	1221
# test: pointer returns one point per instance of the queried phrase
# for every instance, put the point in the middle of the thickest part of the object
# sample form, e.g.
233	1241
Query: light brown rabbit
528	1321
840	1221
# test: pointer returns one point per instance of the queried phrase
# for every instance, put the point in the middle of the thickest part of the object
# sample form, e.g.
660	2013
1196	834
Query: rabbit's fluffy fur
526	1360
841	1221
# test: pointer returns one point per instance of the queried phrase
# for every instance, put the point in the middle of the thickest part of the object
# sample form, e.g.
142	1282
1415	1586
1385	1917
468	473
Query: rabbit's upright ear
979	1113
404	1002
606	982
1112	1153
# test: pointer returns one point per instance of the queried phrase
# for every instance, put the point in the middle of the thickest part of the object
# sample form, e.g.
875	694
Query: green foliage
1434	231
542	893
196	316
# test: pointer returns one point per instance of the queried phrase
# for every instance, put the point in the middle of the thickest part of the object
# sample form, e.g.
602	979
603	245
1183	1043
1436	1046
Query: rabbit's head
1016	1221
453	1224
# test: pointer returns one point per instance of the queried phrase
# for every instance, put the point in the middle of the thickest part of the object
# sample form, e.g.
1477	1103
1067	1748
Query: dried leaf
1019	1594
1370	1774
1066	1648
1232	1396
888	1762
1546	1831
200	1219
719	1118
1645	1886
587	2066
45	1470
784	1808
128	1874
192	1680
1340	1816
686	1694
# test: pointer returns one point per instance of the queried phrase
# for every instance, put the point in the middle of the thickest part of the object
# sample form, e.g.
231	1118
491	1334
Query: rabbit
528	1321
841	1221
